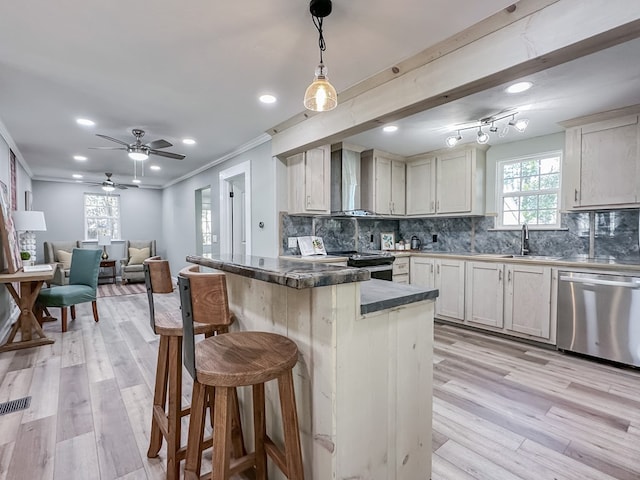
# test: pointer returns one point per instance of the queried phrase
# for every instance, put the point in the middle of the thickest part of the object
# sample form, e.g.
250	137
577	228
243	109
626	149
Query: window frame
500	196
118	219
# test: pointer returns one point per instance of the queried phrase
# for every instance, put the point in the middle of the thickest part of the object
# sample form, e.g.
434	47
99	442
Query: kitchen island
363	379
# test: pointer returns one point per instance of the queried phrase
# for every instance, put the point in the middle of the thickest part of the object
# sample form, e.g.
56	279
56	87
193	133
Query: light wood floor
502	410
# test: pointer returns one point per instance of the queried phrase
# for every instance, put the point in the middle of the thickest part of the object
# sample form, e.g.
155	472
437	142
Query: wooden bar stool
166	420
222	363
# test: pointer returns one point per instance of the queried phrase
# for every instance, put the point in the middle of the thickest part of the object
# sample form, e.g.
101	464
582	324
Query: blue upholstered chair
82	287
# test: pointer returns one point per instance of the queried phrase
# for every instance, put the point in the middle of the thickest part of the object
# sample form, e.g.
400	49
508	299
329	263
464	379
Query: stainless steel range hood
345	180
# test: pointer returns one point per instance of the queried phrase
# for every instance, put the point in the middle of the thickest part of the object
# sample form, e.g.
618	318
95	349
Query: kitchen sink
533	257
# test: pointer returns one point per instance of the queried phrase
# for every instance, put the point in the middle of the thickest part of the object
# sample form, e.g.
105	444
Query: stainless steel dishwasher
599	315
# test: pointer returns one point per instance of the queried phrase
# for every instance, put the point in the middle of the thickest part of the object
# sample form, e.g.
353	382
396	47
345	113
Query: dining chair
82	287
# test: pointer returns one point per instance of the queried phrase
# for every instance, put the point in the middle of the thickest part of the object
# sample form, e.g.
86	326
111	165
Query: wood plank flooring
502	409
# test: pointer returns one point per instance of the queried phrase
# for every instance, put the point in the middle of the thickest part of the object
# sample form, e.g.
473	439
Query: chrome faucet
524	240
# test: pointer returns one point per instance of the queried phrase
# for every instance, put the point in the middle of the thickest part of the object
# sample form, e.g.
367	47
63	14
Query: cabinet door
453	186
422	272
528	300
421	186
382	189
398	187
317	179
609	162
484	293
450	285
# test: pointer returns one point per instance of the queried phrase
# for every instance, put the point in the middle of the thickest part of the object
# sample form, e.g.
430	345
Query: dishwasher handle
596	281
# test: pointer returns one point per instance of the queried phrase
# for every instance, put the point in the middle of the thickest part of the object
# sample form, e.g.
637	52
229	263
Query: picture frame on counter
387	241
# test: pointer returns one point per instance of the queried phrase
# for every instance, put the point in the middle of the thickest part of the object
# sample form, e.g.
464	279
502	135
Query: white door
235	210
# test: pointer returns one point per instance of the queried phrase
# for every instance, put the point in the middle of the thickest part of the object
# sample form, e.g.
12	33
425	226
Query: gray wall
179	207
63	207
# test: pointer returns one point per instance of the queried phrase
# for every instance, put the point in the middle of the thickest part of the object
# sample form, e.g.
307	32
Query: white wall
506	151
179	207
63	207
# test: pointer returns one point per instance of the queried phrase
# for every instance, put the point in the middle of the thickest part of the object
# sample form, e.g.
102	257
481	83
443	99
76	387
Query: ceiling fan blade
107	148
176	156
161	143
121	187
113	139
124	186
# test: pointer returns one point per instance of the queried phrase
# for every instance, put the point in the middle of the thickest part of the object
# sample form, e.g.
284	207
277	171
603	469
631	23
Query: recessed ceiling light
390	128
76	175
267	98
154	167
519	87
86	122
80	158
188	141
136	180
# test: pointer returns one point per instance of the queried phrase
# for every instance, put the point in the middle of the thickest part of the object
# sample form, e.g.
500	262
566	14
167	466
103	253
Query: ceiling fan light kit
492	122
320	96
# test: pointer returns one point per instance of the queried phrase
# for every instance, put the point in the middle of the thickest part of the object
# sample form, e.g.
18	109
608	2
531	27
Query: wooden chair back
157	278
203	299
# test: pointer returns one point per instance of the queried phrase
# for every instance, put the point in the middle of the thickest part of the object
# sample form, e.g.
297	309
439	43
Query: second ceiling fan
138	150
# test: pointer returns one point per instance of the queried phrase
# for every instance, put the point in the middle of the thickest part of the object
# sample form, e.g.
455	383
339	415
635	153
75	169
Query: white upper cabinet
447	182
309	176
383	183
421	186
602	161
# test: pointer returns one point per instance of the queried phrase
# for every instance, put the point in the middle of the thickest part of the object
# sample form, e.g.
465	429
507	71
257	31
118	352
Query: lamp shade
104	240
29	221
320	95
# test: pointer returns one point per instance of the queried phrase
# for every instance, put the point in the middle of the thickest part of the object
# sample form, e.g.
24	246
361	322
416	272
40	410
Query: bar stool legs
167	424
226	462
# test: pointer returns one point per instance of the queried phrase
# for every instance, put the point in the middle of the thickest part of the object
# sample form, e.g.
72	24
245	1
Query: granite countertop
290	273
378	295
628	263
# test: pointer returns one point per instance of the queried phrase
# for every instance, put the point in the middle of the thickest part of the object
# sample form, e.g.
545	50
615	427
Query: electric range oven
379	264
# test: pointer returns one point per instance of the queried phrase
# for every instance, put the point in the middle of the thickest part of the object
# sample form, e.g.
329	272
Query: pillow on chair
138	255
64	258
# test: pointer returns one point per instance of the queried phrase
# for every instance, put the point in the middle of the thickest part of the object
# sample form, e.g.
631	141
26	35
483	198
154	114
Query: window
101	216
529	191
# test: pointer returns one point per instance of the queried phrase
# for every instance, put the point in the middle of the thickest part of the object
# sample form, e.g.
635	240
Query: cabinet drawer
401	266
403	278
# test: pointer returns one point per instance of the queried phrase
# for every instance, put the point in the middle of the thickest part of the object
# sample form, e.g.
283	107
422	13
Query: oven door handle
596	281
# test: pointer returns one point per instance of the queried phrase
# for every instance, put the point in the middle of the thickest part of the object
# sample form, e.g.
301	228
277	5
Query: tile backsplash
616	234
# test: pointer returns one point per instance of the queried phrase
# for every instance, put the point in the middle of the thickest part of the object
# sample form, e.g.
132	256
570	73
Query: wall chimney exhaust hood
345	181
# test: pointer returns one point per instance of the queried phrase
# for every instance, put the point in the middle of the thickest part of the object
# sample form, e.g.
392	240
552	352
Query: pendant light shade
320	95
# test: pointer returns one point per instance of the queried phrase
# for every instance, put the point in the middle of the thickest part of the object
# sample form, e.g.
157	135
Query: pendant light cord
317	21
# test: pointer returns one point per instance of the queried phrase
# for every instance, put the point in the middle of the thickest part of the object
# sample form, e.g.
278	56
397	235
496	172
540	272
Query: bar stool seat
170	324
219	365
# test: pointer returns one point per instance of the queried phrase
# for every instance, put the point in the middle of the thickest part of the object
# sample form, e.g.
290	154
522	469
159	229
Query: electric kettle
415	243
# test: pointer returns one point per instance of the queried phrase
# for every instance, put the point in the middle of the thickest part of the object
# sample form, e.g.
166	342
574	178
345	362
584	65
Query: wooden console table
108	264
30	285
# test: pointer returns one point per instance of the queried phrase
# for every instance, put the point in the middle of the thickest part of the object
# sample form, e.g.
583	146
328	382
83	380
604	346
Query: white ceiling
195	69
188	69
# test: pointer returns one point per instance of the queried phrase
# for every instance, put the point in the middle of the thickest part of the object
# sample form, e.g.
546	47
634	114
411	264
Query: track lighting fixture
320	95
493	122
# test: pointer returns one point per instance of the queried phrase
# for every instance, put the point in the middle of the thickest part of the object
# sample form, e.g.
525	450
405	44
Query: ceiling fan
109	185
141	151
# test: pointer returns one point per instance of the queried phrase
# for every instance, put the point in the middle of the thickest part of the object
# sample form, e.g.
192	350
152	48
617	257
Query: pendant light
320	95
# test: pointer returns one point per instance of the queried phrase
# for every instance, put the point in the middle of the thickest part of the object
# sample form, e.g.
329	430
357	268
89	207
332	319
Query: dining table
25	295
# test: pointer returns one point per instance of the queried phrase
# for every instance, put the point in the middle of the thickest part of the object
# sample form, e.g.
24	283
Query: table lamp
103	241
27	222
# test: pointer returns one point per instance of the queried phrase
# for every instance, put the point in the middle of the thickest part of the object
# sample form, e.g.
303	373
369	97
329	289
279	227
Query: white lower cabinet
422	272
449	280
527	303
401	270
485	294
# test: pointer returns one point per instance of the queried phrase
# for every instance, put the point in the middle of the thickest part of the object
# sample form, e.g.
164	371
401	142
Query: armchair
131	267
82	287
51	255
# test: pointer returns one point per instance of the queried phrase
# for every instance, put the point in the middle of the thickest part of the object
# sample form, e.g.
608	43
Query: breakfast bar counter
363	381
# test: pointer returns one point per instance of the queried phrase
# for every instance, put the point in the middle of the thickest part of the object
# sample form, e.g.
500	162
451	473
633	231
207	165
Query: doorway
204	240
235	210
